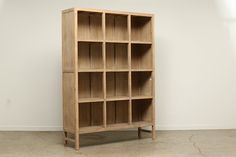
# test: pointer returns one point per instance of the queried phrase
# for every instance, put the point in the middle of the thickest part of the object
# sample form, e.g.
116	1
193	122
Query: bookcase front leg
77	141
65	138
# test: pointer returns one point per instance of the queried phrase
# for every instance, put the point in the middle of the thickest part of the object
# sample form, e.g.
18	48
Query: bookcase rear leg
139	132
153	132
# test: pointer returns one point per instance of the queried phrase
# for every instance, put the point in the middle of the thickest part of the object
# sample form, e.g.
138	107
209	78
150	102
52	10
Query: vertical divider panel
104	68
129	65
153	80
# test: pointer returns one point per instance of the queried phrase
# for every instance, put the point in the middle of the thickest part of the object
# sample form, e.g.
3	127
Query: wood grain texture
108	71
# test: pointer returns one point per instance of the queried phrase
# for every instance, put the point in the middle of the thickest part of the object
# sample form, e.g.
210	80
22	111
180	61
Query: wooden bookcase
108	72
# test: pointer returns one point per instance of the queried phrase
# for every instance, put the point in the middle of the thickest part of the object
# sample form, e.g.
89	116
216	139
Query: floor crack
196	146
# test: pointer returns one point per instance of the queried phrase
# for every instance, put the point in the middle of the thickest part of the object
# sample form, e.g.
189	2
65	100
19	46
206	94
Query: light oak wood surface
108	71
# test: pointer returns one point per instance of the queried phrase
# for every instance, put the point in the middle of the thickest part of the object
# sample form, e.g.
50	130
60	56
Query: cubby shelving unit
108	72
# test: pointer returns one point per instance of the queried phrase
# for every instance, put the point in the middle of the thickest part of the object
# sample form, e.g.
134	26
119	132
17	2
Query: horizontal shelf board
87	100
111	127
117	98
90	129
90	40
117	70
90	70
141	70
141	42
117	41
141	97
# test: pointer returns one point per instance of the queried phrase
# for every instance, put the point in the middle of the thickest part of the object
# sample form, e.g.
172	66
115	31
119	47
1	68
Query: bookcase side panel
69	110
68	41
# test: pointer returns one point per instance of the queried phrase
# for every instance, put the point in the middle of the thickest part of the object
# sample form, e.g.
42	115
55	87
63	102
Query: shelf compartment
117	84
141	84
116	27
117	112
90	85
141	56
141	29
142	111
89	26
90	56
116	56
90	114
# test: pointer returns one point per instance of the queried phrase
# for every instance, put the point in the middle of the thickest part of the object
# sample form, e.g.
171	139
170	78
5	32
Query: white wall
196	61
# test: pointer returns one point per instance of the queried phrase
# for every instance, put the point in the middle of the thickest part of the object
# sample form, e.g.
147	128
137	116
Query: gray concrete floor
214	143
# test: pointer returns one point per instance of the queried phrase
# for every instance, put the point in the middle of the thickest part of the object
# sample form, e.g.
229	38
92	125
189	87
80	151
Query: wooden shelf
90	70
141	70
108	73
141	97
111	127
86	100
117	70
117	98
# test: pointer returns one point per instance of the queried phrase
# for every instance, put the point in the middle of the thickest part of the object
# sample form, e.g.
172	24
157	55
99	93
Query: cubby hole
116	27
89	26
141	56
117	84
90	85
141	28
141	84
90	56
142	110
90	114
116	56
117	112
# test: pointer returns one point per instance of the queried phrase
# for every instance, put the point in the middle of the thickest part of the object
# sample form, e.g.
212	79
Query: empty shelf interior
90	114
117	84
141	84
141	28
90	55
89	26
142	110
90	85
117	112
141	56
116	56
116	27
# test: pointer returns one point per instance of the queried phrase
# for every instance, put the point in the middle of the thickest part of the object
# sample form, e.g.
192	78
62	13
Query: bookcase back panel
116	56
117	112
89	26
117	84
90	55
90	85
116	27
90	114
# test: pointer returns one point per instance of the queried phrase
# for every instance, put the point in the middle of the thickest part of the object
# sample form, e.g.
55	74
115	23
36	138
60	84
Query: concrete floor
215	143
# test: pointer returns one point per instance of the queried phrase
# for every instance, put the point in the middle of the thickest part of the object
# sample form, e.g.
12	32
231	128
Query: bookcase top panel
108	11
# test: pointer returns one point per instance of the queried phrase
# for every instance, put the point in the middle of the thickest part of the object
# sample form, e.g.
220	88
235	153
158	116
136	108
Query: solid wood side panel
68	44
69	101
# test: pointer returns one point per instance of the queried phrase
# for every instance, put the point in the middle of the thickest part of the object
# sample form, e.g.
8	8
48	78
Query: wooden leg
77	141
139	133
65	136
153	132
